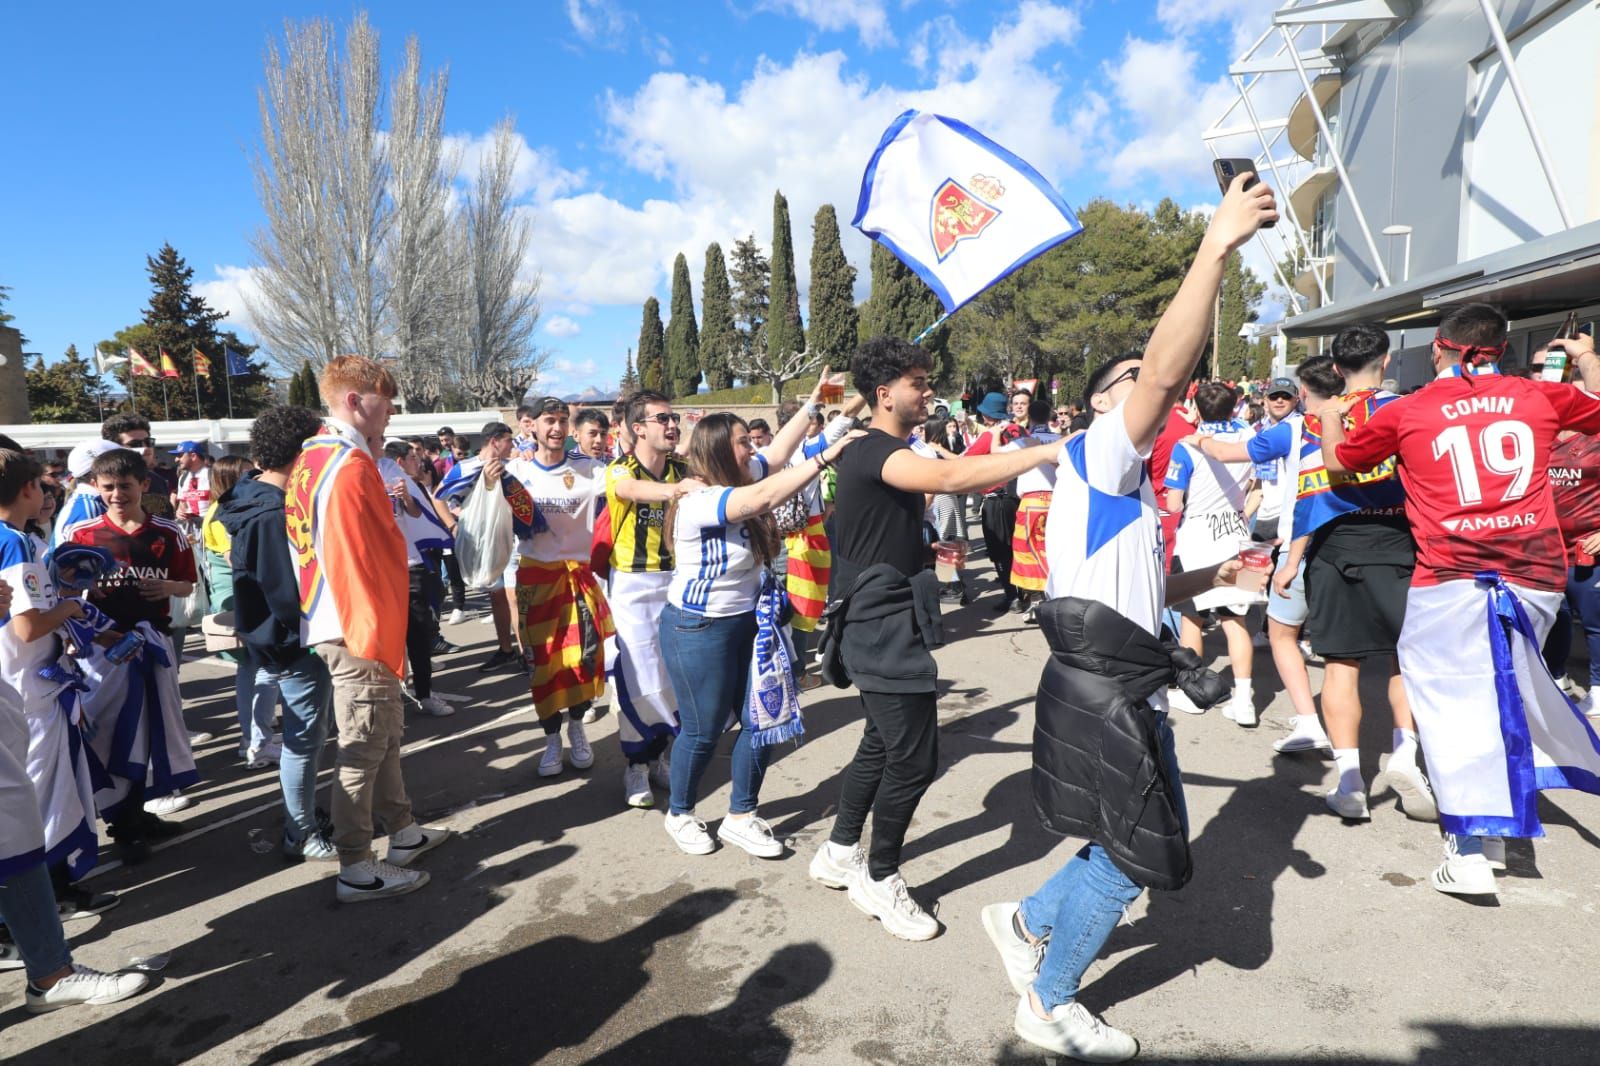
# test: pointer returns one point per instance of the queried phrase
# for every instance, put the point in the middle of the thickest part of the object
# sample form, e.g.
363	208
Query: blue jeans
255	693
28	907
1583	600
708	660
307	708
1080	904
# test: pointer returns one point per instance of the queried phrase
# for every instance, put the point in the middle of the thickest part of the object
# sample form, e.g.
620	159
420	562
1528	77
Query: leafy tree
718	335
652	348
5	294
69	390
630	377
785	334
683	336
900	304
179	322
752	282
1241	291
298	396
834	321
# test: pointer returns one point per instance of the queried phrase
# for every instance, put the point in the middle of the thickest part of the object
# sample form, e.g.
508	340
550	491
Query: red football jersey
156	549
1575	484
1474	456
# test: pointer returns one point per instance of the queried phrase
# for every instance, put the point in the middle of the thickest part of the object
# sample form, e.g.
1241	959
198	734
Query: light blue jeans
708	660
1080	905
28	907
255	693
308	707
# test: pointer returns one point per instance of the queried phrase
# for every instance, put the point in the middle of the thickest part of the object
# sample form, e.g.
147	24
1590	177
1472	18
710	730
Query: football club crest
961	213
569	479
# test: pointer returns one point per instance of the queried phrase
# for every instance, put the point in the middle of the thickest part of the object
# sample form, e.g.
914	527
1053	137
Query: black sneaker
444	647
498	660
1019	605
132	850
153	828
79	902
1004	605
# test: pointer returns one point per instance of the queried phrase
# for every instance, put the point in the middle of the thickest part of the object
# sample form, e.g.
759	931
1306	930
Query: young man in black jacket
1105	546
881	499
266	595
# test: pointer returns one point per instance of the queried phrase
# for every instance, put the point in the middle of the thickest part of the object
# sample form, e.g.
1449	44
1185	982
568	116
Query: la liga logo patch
962	212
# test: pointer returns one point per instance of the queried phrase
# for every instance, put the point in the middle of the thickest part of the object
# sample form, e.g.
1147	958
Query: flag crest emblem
960	214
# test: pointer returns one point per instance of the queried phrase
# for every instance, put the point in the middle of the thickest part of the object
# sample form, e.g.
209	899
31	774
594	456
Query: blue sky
649	129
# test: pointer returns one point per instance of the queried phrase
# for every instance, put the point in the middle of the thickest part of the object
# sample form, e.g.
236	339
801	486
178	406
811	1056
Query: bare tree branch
776	371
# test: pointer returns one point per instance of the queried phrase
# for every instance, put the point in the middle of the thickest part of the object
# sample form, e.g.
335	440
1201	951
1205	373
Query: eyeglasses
147	442
1063	414
663	418
1130	374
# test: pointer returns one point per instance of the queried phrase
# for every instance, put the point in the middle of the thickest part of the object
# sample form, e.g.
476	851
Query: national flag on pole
103	362
238	365
139	366
958	209
169	369
202	365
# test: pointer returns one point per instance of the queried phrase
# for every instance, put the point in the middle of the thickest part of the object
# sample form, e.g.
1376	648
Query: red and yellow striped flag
140	366
169	369
202	365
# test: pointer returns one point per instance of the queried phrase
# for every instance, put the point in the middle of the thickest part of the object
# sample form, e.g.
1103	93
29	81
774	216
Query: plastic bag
187	611
483	537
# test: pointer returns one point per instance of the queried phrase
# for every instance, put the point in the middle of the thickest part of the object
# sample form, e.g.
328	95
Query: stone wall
13	379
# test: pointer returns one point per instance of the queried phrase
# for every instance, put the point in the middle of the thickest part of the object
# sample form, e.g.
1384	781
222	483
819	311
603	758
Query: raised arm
1180	337
792	432
638	490
747	501
964	473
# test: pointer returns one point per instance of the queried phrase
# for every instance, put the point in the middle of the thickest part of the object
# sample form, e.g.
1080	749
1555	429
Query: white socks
1405	742
1241	689
1348	762
409	837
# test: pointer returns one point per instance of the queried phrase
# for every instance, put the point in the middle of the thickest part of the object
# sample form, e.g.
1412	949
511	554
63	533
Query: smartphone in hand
1227	169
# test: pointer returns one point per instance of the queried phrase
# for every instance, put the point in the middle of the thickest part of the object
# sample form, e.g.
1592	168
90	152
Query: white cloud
597	21
232	290
1246	19
561	326
536	174
869	18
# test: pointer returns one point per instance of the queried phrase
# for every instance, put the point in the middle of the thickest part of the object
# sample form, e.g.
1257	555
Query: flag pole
165	403
227	375
198	411
939	322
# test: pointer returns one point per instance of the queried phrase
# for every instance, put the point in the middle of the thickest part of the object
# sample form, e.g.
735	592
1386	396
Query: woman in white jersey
723	617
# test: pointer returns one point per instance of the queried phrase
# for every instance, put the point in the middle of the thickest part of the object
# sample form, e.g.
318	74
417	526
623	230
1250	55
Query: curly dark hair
114	427
1359	346
884	360
278	432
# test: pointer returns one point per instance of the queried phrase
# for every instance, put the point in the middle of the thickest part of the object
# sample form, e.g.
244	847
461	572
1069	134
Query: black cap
443	430
1285	386
491	430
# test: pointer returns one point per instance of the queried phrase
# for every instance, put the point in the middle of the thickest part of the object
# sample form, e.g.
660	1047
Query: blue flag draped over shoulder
957	208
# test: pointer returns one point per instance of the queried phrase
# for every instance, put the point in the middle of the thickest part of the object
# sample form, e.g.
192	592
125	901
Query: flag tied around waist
957	208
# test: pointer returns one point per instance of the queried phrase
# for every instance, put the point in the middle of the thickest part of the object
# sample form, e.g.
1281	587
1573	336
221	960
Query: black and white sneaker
78	902
499	660
375	880
413	841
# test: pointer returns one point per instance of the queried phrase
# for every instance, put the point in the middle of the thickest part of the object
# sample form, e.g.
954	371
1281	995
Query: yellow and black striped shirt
638	542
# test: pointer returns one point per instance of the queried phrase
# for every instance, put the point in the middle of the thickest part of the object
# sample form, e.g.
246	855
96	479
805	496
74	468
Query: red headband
1472	354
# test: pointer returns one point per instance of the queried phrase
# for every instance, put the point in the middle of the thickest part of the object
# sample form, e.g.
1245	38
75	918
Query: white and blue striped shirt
717	574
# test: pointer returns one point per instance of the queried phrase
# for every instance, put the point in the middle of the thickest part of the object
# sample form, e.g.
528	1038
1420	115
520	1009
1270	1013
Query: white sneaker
636	786
1020	956
1463	874
890	902
689	833
375	880
1307	735
84	985
752	834
550	761
1306	651
1494	852
457	616
451	697
1178	701
406	847
838	867
1349	805
1074	1031
1586	705
592	715
164	805
434	707
1416	795
661	770
582	755
1241	709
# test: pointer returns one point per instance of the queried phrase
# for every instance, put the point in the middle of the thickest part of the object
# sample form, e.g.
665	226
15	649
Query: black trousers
458	587
999	523
893	766
422	629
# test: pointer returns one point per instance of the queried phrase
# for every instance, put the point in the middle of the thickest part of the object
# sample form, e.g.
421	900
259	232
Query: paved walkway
562	928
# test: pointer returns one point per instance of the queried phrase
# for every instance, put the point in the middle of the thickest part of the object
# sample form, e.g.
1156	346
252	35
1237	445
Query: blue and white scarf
772	703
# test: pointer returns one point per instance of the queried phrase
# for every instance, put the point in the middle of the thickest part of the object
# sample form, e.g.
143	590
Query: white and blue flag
956	207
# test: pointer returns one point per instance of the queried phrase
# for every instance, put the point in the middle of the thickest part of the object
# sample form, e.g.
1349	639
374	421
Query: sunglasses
146	442
663	418
1130	374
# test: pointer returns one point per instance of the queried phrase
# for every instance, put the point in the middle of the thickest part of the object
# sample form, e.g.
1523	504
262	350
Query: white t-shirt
1103	537
1040	478
717	574
194	492
22	568
568	495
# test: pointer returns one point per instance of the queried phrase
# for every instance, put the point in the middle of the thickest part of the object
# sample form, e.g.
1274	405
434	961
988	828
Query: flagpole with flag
958	209
169	369
138	367
202	366
235	365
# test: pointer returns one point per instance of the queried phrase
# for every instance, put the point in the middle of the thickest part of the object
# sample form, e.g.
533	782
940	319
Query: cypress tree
717	335
834	321
630	377
785	334
652	348
683	336
901	305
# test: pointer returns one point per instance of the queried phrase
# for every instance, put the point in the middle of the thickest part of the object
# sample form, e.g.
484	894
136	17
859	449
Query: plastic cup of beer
1256	560
949	556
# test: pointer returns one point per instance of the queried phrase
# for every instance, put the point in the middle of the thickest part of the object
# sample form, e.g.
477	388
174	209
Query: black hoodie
266	589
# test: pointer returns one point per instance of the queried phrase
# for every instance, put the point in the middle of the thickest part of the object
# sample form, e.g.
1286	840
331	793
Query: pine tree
297	386
683	336
652	348
310	391
834	320
630	377
69	390
901	305
718	335
179	321
785	334
752	281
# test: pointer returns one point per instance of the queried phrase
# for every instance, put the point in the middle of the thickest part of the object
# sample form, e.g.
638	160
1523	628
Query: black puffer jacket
881	633
1097	768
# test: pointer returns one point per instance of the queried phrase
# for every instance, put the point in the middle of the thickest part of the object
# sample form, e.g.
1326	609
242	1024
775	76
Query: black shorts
1355	609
